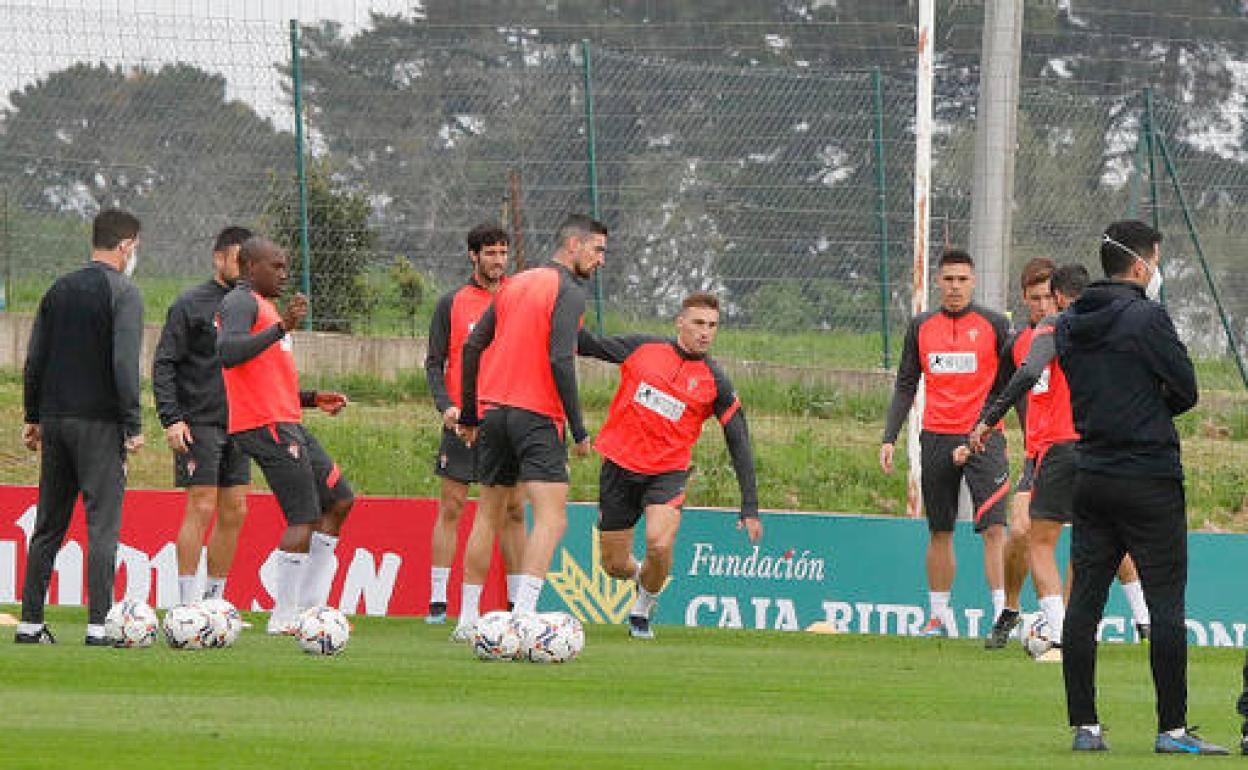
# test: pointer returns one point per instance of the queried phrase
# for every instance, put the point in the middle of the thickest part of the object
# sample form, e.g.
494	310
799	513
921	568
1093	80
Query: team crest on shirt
973	334
294	450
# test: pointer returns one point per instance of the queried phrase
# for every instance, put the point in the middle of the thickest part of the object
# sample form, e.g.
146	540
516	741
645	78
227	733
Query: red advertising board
383	555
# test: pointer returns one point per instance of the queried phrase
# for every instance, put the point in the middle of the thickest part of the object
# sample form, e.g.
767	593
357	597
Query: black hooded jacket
1129	376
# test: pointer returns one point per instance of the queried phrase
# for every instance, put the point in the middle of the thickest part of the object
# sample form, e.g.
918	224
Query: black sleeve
1005	360
565	324
909	370
36	360
728	411
127	344
236	345
613	350
435	359
169	351
1167	357
480	339
1043	350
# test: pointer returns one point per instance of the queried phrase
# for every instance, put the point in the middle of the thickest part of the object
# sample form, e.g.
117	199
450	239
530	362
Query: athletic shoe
437	613
639	627
1243	740
282	626
1051	655
99	641
1086	740
1144	631
933	628
1007	621
1187	743
42	636
463	632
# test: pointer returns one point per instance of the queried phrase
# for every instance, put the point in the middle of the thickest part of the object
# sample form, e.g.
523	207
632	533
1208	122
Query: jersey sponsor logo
1042	385
952	363
659	402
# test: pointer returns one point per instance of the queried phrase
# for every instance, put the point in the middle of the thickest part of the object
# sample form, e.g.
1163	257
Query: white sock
290	577
1054	610
645	602
215	588
319	577
94	631
470	604
1177	732
513	585
1094	729
998	603
29	628
637	572
938	604
529	592
186	589
1135	597
438	578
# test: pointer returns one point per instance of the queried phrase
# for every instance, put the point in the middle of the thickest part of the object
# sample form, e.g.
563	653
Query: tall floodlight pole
922	217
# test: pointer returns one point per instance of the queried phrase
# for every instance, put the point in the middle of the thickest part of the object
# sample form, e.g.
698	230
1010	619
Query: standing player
1051	436
960	351
454	317
190	401
668	388
265	405
528	388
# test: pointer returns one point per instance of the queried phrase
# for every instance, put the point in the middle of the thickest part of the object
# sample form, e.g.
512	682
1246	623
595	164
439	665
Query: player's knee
618	566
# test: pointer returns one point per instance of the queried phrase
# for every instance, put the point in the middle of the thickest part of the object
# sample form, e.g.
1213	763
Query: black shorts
987	474
456	460
519	445
1054	494
1028	475
303	478
623	495
214	460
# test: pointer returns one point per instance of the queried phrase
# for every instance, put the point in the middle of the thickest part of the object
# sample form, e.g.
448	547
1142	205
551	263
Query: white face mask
132	262
1153	289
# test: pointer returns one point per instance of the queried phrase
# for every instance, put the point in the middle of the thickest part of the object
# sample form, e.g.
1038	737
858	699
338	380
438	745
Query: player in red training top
668	389
520	363
265	418
456	314
960	352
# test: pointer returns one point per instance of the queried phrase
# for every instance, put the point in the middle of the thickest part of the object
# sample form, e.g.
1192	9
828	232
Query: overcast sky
241	39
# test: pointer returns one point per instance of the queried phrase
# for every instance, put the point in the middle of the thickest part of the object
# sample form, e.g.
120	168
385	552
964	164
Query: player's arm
36	360
1167	357
1005	359
613	350
1020	406
909	370
127	343
727	409
170	350
480	339
1043	350
326	400
435	358
565	324
236	345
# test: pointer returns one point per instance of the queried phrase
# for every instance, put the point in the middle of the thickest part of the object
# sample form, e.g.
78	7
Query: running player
1052	437
668	388
265	403
454	317
190	401
528	388
960	351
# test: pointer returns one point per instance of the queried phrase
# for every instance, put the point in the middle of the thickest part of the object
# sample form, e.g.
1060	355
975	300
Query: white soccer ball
1039	638
323	631
131	623
226	622
187	627
533	633
494	637
569	634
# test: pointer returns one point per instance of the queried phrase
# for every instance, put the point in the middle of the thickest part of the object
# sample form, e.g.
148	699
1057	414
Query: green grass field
403	696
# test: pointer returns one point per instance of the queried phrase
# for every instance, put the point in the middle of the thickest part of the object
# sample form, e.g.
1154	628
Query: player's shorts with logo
214	459
519	445
1053	496
456	460
623	495
987	474
301	474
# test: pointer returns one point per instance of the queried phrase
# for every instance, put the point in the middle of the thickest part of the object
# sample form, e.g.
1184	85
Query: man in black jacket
82	411
1129	376
190	401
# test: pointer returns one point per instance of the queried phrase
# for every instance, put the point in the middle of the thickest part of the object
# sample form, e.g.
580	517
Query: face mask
1153	289
132	262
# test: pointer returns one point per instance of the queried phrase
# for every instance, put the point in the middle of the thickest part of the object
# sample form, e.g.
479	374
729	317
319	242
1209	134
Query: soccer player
1051	436
265	418
527	385
960	351
190	401
1129	375
668	389
82	410
457	312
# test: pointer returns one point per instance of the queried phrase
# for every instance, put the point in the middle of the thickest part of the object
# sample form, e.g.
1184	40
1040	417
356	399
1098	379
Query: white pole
922	218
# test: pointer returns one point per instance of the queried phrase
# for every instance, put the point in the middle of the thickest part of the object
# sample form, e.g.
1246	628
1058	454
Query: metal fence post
881	210
301	170
592	161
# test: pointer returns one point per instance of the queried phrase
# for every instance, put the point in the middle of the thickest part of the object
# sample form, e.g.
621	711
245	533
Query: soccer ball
226	622
569	634
533	633
187	627
494	637
131	623
323	631
1039	638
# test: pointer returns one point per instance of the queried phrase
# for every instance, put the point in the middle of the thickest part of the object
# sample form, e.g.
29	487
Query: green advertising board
860	574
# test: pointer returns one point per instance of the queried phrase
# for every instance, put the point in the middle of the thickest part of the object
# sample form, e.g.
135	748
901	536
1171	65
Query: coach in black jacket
1129	376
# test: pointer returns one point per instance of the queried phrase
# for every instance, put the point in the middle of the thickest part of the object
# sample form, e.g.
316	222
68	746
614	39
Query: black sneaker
1086	740
1243	740
1007	621
42	636
437	613
99	641
1143	631
639	627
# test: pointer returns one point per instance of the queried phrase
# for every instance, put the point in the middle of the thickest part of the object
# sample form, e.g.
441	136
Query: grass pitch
403	696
